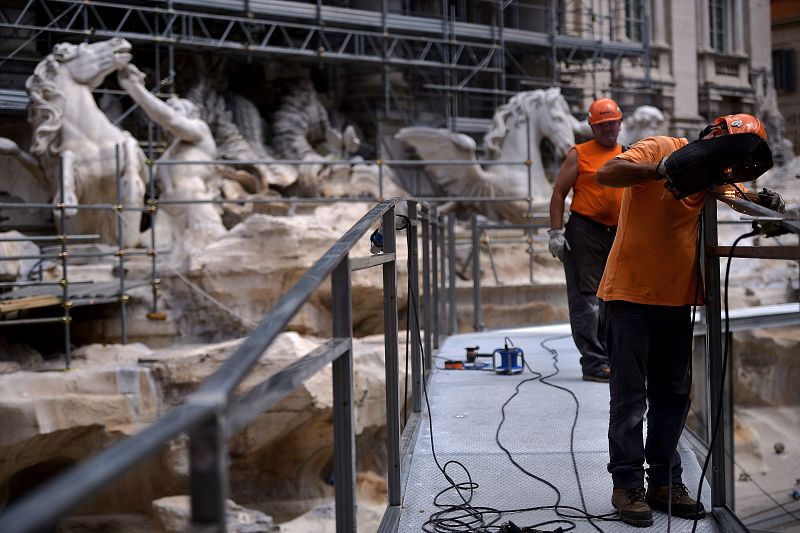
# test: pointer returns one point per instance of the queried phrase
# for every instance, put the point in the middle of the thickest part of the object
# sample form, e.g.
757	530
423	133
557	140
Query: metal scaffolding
463	58
468	55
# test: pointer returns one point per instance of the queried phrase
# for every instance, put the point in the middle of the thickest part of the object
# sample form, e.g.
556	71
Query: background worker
650	281
584	246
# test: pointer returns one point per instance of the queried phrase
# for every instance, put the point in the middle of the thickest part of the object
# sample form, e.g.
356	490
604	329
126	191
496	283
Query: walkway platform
465	406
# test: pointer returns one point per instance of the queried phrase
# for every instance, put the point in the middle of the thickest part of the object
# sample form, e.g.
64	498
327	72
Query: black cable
454	518
463	516
698	281
724	370
544	379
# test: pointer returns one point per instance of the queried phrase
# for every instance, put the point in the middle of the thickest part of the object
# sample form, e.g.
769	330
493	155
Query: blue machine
512	360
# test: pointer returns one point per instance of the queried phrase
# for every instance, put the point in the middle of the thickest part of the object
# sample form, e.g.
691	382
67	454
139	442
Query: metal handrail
210	414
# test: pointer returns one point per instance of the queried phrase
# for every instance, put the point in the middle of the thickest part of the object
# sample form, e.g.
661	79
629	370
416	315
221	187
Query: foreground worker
584	246
650	281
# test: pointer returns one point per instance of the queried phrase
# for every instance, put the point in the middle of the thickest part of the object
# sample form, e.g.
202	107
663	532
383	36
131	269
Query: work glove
558	243
661	169
771	200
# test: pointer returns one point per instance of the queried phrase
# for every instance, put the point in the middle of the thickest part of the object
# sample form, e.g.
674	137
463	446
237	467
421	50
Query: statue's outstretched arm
187	129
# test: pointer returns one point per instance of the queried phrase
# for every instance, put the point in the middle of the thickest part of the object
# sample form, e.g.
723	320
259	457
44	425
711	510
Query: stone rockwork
280	464
173	515
257	261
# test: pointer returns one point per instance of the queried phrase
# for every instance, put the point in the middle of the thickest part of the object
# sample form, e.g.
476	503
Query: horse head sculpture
102	164
528	117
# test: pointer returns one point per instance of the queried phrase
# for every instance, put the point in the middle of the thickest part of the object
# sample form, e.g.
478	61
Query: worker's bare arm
567	176
622	173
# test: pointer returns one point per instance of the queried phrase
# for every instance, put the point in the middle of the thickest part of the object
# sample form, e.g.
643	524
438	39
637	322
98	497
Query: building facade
785	51
445	63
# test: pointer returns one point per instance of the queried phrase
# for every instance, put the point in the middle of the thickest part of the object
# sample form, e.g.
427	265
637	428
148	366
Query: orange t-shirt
589	198
654	258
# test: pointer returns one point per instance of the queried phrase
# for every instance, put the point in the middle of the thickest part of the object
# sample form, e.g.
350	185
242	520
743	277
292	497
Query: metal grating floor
466	409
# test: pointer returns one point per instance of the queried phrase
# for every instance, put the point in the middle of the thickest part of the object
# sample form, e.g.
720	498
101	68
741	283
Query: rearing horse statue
68	125
518	128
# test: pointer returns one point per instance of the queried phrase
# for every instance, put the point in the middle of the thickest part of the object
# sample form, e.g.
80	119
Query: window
783	70
634	11
717	24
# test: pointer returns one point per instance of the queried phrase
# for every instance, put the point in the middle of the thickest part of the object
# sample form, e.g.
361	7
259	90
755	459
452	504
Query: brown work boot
600	376
683	505
632	507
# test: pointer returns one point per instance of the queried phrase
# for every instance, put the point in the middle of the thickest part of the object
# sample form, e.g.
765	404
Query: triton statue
190	224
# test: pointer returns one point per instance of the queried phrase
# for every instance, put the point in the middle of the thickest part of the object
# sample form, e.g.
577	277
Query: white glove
558	243
661	169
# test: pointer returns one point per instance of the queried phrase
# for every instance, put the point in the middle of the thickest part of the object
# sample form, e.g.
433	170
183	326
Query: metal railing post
721	477
476	275
434	220
208	455
426	287
529	165
152	210
344	438
120	250
65	303
391	358
442	289
413	305
451	268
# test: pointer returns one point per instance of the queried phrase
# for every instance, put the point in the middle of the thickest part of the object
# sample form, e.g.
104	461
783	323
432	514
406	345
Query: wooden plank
31	302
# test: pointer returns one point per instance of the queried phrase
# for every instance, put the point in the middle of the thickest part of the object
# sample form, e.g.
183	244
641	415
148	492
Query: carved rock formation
279	462
248	269
173	515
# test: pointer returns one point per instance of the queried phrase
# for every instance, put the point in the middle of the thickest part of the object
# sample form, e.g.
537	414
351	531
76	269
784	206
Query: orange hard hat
604	110
741	123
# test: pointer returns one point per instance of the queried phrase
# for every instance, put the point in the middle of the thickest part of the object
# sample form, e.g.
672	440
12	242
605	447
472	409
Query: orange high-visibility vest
589	198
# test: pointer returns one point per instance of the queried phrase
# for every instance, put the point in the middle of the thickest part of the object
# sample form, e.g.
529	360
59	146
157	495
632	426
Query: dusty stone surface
55	419
19	356
766	367
173	515
248	269
12	270
371	497
767	470
118	523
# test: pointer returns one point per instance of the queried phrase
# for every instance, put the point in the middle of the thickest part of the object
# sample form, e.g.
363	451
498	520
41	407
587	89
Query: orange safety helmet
604	110
738	123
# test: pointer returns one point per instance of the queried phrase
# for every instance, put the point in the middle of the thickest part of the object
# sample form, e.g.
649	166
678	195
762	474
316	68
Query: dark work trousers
650	348
589	242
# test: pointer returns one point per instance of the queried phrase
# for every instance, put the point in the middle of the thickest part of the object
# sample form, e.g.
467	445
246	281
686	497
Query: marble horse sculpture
67	125
518	128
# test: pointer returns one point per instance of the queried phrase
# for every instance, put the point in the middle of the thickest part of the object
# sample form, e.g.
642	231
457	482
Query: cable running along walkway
520	444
